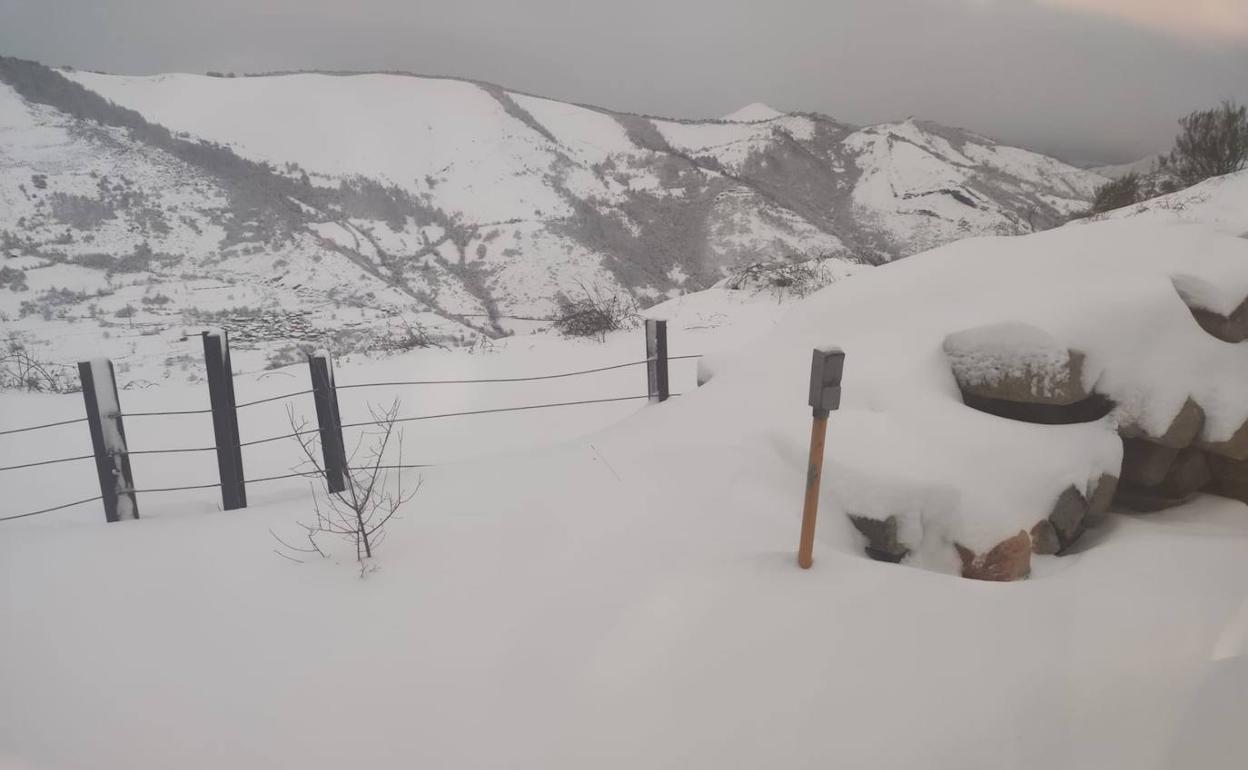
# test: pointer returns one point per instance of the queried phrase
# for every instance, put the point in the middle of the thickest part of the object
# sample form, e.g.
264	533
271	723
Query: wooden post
224	419
825	395
656	358
326	396
108	439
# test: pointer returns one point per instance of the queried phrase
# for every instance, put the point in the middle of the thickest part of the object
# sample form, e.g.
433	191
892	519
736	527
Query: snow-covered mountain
391	205
1144	165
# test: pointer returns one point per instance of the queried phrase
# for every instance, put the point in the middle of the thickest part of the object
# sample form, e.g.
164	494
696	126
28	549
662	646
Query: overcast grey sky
1085	79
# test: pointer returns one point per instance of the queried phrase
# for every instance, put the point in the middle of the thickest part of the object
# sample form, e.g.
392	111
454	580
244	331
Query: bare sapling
358	514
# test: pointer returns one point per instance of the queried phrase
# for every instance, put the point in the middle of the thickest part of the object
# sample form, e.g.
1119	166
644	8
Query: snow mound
753	113
989	355
904	445
1220	202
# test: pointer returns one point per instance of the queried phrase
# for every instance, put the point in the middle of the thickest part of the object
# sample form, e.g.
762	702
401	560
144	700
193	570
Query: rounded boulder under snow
1086	310
1016	362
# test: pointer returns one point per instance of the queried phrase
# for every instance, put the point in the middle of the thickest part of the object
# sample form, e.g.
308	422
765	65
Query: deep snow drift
1220	202
626	596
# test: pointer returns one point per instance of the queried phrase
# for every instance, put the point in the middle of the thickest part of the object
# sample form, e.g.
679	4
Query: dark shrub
1211	143
1117	193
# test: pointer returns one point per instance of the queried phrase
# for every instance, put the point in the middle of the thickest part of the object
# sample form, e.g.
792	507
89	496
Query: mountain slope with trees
420	209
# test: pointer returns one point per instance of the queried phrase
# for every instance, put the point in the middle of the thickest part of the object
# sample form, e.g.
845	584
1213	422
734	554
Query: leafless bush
19	370
594	313
407	336
795	278
358	514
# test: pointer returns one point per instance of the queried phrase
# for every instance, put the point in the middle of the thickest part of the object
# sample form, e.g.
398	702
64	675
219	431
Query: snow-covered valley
375	212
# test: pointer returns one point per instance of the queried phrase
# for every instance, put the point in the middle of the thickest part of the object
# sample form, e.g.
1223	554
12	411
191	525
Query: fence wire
54	508
46	462
41	427
533	378
311	431
492	411
272	398
166	414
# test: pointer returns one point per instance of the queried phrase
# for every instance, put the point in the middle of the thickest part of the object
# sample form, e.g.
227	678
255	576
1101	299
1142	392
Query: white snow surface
406	130
753	113
1220	202
989	354
614	585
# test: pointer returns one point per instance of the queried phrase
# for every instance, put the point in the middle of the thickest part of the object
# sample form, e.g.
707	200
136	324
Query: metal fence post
326	396
656	360
224	418
108	439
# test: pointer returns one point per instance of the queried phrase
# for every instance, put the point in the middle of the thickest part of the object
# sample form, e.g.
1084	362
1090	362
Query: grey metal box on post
826	367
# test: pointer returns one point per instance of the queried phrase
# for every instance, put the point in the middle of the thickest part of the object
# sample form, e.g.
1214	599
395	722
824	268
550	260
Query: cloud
1219	21
1085	79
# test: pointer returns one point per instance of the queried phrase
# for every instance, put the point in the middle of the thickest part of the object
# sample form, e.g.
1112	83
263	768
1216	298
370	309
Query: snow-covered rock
905	448
1222	313
1015	362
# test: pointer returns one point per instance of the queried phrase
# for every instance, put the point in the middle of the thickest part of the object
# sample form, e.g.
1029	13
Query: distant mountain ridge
459	203
1144	165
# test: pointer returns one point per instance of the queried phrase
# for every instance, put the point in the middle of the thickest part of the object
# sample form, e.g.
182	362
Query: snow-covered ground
614	585
1220	202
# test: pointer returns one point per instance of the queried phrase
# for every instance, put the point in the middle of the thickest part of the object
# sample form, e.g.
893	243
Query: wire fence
41	427
311	431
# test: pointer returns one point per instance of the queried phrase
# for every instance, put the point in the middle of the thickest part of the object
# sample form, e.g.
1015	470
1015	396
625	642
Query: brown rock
1145	463
1187	475
881	534
1008	560
1230	477
1100	496
1044	538
1069	511
1072	513
1145	500
1232	328
1236	447
1183	429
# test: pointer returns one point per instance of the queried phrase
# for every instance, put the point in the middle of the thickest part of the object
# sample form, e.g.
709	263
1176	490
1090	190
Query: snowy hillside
1144	165
752	113
389	202
1220	202
112	242
621	591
